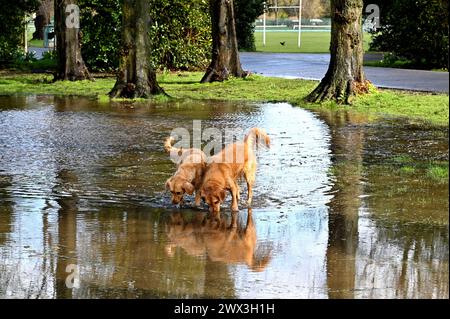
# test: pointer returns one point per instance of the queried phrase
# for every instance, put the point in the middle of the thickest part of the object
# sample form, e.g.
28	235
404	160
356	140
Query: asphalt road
314	67
38	52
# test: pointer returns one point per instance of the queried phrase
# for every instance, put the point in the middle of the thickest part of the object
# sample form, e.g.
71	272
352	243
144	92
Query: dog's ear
168	184
222	195
188	188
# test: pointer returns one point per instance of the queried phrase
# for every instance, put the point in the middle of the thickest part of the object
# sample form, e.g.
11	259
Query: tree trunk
345	75
70	62
225	56
39	23
42	18
136	78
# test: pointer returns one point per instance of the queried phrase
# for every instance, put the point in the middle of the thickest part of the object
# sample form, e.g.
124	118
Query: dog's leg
250	193
197	198
249	174
234	188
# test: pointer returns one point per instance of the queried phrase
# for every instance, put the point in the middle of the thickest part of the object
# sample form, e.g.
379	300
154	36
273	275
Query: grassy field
311	42
36	43
432	108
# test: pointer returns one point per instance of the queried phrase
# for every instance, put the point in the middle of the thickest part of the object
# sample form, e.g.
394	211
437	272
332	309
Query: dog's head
179	186
213	195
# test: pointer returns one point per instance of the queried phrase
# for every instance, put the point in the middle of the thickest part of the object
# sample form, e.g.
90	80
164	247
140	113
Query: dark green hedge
414	30
12	24
180	33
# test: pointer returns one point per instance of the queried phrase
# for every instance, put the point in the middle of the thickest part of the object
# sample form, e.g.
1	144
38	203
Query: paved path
314	67
38	52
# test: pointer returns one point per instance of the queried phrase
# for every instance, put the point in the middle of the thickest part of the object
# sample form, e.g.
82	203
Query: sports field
311	42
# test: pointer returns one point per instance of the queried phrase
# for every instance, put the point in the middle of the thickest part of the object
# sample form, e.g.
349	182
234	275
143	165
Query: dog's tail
257	136
168	145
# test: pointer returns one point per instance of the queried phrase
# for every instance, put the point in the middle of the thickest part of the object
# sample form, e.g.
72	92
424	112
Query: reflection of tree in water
125	255
347	144
6	208
67	229
410	260
6	221
410	247
24	271
400	248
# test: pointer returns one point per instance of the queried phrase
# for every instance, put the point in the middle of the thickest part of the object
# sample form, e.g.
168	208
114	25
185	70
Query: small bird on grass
283	42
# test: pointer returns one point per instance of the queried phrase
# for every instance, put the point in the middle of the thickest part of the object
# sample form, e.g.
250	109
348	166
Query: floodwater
337	213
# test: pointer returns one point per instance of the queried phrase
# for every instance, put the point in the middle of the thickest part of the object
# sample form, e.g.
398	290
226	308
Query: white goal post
276	7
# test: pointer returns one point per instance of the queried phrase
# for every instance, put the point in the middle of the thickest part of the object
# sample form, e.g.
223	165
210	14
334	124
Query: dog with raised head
191	164
225	168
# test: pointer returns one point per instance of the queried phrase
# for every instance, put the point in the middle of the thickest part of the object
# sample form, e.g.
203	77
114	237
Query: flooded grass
413	106
438	173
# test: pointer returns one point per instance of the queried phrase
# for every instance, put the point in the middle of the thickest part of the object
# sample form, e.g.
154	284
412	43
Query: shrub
180	34
12	17
246	12
416	31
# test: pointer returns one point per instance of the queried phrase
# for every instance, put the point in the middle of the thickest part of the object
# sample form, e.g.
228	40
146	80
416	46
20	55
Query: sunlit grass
438	173
414	106
36	43
407	170
311	42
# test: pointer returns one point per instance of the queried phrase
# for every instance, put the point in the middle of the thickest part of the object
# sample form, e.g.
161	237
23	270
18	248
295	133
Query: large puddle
342	208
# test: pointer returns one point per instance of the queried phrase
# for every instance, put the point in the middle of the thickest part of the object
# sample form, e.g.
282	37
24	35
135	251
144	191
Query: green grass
434	170
438	173
407	170
36	43
311	42
432	108
42	84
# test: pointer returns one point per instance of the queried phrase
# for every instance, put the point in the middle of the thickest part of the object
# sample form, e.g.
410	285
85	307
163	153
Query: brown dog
191	164
224	169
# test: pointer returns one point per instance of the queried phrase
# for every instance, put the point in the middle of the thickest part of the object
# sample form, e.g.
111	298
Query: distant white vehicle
315	21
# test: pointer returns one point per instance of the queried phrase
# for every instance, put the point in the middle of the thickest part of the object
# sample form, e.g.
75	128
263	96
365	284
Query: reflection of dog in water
231	243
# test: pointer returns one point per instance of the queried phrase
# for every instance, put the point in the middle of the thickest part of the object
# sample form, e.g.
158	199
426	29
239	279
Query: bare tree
43	16
136	77
225	56
70	62
345	75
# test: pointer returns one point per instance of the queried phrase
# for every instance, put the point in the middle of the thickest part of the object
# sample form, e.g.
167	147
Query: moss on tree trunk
225	55
345	75
136	77
70	62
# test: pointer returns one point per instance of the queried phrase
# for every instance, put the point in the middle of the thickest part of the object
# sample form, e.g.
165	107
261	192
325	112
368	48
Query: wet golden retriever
224	169
191	164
